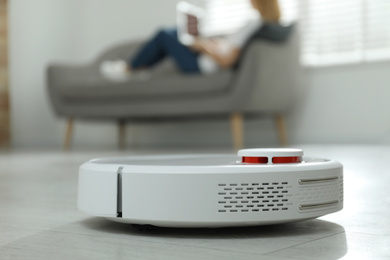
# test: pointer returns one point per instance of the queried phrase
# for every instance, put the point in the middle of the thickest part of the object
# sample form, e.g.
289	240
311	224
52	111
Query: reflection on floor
39	218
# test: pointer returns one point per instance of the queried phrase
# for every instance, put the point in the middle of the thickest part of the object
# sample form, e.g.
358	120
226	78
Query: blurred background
345	53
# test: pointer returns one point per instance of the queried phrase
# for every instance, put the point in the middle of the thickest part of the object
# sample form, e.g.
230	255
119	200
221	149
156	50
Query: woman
203	56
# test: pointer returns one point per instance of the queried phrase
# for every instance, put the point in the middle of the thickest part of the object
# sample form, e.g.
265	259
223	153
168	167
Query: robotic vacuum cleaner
254	187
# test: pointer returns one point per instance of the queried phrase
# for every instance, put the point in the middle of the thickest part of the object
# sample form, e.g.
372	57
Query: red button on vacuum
294	159
254	159
271	155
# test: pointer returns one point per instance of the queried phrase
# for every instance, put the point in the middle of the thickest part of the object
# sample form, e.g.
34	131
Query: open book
189	19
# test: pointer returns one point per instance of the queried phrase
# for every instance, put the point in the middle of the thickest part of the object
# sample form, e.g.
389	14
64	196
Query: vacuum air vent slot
318	205
317	180
252	197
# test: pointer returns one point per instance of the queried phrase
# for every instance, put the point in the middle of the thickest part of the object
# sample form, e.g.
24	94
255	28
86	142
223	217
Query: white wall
346	104
105	22
39	31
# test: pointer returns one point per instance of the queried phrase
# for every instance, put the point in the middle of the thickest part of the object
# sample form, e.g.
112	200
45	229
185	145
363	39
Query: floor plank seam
303	243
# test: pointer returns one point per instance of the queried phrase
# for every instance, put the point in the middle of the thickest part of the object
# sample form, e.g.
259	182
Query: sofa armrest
125	51
57	72
86	74
62	75
122	51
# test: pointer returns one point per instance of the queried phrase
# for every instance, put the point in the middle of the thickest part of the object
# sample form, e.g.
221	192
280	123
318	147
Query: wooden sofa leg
281	125
121	134
237	122
68	134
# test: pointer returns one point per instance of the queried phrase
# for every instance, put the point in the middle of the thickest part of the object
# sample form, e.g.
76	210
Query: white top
237	40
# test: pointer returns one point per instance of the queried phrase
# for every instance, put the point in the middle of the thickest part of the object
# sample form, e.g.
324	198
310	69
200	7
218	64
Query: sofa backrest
271	32
274	71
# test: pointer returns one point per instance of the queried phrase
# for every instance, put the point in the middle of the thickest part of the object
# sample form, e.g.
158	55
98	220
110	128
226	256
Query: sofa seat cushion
94	87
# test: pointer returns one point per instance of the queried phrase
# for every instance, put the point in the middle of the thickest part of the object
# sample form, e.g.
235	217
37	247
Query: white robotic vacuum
255	187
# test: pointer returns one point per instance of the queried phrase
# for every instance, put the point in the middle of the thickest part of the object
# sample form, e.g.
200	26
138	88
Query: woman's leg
165	43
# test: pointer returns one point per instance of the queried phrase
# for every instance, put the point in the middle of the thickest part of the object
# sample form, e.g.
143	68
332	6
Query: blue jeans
166	44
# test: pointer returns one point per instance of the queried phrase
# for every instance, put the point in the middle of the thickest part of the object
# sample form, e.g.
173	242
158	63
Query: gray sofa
265	82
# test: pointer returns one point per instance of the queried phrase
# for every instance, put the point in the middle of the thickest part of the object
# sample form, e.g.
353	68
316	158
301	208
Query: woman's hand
198	45
213	48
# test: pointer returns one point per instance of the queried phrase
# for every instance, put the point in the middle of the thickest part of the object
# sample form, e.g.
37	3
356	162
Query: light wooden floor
39	218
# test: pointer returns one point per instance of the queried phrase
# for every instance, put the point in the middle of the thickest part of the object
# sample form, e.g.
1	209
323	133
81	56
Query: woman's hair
269	9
